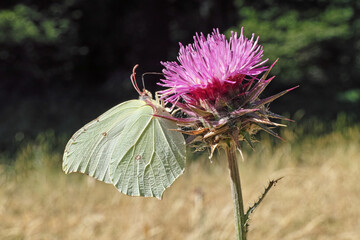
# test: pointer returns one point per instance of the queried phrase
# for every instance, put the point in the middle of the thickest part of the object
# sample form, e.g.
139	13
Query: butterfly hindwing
139	153
151	157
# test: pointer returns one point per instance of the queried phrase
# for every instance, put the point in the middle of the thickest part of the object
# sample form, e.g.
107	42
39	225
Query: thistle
217	83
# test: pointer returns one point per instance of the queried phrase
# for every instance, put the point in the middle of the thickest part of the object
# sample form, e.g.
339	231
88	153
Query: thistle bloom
211	67
216	83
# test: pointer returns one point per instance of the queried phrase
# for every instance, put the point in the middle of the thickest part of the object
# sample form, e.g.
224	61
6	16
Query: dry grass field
318	198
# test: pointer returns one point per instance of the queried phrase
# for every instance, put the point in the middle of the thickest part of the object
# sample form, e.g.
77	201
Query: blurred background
63	63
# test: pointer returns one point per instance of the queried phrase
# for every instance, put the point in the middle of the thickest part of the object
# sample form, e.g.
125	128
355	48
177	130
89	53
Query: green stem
236	191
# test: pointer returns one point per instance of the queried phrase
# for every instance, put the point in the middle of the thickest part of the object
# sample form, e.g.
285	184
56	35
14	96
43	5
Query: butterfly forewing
88	151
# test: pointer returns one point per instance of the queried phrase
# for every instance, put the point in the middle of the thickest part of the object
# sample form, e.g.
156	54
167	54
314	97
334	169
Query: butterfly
130	146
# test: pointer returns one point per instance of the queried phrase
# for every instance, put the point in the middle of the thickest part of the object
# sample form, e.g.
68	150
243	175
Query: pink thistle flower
211	67
215	83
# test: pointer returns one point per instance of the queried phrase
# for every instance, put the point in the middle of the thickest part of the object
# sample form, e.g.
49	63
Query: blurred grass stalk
320	162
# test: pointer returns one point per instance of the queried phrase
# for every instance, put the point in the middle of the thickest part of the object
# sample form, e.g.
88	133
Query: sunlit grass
318	198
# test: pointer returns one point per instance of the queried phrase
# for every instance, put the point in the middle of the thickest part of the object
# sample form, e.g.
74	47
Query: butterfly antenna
148	73
133	80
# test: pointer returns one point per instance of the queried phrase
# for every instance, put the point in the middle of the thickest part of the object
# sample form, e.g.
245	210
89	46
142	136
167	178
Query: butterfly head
145	94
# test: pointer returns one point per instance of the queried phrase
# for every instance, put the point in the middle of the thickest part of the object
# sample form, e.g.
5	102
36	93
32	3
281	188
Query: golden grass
319	198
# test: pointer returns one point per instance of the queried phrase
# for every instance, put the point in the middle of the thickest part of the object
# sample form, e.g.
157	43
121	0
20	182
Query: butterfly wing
127	146
149	156
89	149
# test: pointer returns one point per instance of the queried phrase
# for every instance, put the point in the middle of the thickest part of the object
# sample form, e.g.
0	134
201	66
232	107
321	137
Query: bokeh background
62	63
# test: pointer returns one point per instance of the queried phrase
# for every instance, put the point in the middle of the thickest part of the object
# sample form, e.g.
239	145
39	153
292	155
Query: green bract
139	153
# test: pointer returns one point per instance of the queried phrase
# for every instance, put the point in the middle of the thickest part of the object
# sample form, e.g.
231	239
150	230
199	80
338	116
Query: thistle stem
236	191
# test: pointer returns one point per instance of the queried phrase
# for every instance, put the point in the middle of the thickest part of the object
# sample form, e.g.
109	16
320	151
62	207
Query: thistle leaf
268	130
180	121
277	116
248	140
256	91
241	111
268	71
266	121
272	98
200	112
257	203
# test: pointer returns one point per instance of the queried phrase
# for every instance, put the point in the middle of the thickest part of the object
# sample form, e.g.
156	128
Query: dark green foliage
37	45
318	44
64	62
